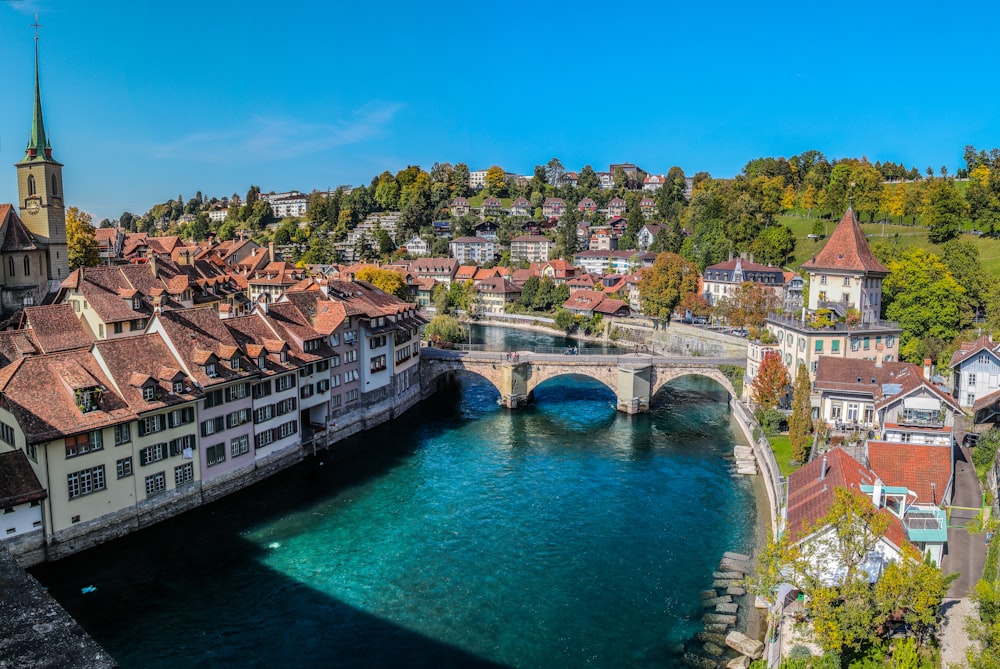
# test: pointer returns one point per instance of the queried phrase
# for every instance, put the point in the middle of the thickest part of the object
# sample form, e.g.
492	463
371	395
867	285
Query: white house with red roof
653	182
811	493
521	207
616	207
553	207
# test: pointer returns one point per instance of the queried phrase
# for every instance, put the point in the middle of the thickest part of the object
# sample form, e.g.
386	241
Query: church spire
38	145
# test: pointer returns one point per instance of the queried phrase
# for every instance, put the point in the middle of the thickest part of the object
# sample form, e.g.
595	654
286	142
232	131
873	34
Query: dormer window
210	370
260	362
148	393
234	362
136	303
87	399
284	356
178	386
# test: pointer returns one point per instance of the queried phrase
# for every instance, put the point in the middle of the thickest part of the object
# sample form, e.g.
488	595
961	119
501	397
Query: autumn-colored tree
664	285
384	279
895	201
768	386
81	241
748	305
496	181
800	424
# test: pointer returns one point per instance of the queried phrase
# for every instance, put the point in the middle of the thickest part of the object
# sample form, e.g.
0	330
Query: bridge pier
514	384
634	389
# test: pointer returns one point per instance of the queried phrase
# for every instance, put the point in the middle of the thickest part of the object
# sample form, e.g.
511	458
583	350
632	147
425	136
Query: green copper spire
38	146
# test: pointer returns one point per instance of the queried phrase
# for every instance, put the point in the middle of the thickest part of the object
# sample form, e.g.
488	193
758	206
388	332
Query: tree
496	181
914	587
769	385
565	245
923	296
528	291
459	180
565	320
553	171
444	328
800	424
80	239
665	284
943	208
748	305
386	280
773	245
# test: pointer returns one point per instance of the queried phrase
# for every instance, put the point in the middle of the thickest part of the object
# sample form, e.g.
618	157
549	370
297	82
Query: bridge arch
433	372
663	376
605	375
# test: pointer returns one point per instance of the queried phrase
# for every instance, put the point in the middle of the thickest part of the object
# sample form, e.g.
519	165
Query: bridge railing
564	350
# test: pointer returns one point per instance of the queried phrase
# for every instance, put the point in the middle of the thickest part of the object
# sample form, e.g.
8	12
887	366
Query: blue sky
144	101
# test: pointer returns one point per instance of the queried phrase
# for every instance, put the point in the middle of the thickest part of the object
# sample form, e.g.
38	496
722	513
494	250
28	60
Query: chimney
927	368
822	469
152	265
877	493
878	362
730	255
270	251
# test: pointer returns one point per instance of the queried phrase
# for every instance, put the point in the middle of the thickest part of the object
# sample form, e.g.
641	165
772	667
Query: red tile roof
866	377
147	357
39	391
810	495
926	470
847	249
18	483
14	236
55	328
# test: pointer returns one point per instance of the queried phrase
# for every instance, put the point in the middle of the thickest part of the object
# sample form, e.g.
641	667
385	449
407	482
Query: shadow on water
203	556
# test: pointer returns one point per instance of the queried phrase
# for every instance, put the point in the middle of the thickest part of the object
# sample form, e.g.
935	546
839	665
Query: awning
922	403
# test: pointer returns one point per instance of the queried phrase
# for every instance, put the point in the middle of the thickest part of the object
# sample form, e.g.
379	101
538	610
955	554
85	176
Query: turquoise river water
462	534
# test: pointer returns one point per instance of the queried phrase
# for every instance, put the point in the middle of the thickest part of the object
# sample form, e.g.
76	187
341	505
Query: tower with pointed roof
40	191
845	275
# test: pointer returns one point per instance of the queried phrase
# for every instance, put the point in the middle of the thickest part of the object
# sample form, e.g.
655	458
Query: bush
772	422
986	450
565	320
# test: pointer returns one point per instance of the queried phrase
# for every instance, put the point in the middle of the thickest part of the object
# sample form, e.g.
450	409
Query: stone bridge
633	379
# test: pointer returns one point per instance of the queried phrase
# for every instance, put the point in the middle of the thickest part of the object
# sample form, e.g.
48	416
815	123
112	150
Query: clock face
33	206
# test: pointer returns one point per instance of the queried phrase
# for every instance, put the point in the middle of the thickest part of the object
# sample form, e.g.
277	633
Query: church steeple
40	190
38	144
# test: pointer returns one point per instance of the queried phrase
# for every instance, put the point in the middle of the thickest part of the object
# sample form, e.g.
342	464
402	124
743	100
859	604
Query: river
463	534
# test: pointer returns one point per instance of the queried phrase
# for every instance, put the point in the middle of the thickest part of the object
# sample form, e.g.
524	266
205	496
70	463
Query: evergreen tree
800	424
565	245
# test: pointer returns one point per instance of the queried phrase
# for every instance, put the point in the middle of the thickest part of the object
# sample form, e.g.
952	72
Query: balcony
796	323
936	422
927	525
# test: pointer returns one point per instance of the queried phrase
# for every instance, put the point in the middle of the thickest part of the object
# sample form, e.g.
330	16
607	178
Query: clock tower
40	191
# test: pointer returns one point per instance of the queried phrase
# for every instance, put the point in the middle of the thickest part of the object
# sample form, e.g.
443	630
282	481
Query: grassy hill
904	236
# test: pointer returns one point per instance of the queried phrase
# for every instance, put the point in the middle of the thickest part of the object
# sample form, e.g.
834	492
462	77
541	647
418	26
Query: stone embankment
720	644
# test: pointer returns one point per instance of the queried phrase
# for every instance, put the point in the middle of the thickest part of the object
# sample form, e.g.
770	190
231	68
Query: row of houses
650	182
552	208
100	436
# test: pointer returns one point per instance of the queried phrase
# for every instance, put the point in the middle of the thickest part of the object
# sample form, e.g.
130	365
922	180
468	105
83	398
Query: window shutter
142	429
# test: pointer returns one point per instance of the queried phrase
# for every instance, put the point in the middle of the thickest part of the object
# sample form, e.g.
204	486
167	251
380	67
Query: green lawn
477	200
782	447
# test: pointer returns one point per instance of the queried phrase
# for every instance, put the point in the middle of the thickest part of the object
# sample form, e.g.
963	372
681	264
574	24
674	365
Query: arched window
27	266
10	266
31	184
55	188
